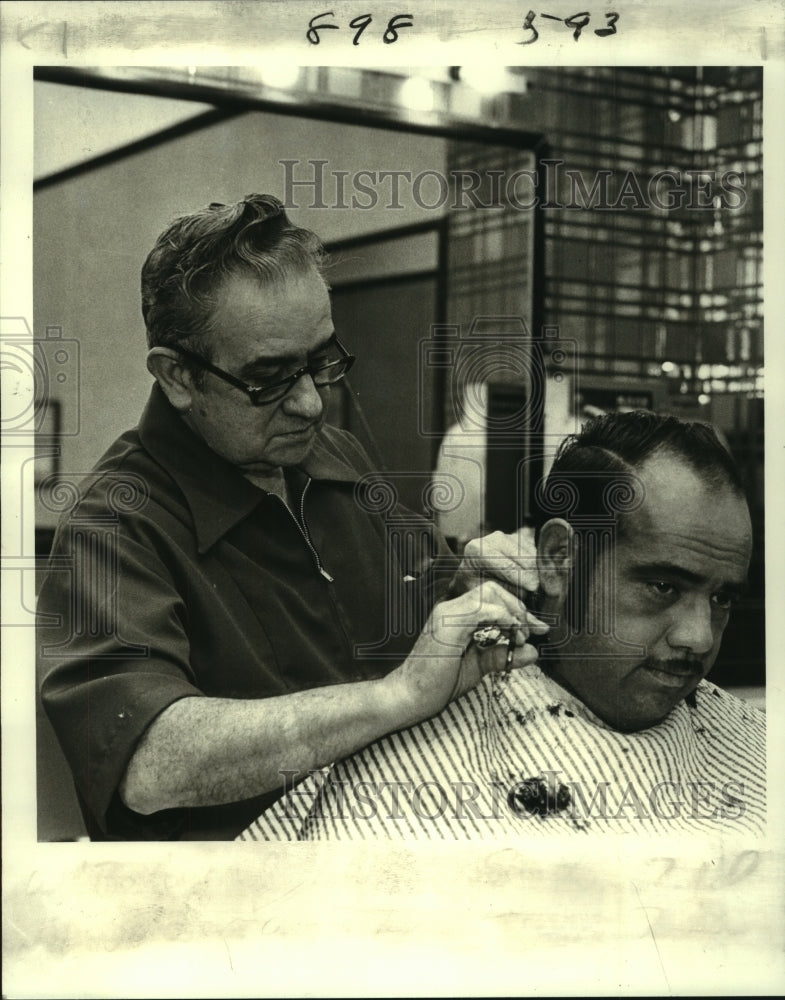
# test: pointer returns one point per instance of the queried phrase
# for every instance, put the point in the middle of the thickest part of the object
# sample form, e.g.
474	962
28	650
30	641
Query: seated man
642	545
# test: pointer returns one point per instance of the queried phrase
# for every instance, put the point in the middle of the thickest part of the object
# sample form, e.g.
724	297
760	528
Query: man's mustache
680	667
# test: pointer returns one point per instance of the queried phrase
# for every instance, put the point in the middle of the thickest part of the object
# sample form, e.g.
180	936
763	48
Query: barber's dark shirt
173	576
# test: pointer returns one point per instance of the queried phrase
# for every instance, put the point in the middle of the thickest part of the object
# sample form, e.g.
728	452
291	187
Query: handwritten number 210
360	23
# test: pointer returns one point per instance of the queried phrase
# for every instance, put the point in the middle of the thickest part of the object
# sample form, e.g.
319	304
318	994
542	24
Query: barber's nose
692	627
304	399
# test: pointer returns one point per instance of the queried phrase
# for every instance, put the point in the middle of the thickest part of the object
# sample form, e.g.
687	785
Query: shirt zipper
303	529
303	526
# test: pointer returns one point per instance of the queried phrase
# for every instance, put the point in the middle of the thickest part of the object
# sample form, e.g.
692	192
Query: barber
235	621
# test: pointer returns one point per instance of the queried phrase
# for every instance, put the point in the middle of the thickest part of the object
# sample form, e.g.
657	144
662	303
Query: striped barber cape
519	756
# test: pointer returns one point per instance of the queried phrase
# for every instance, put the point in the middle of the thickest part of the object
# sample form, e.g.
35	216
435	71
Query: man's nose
692	627
304	399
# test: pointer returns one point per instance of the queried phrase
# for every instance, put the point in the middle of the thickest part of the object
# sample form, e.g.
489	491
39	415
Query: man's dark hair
195	254
611	447
592	481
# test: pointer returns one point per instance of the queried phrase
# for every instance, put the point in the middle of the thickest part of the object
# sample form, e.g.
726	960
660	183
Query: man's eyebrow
274	360
668	569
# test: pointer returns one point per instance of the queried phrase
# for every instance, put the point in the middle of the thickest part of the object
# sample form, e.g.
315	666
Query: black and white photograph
390	502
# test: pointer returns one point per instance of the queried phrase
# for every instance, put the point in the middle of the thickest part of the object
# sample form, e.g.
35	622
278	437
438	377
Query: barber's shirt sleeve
113	653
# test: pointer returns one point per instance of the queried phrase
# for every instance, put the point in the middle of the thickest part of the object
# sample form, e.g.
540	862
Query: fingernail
536	622
523	656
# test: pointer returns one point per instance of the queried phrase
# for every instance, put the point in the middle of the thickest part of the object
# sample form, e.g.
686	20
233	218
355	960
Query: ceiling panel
80	123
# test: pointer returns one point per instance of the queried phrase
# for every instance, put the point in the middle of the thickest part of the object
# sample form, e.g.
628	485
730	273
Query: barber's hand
508	558
444	663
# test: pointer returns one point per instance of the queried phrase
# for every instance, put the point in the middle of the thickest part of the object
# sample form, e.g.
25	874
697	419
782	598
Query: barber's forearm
211	751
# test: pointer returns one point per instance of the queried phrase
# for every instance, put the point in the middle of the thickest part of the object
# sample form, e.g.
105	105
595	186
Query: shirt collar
217	493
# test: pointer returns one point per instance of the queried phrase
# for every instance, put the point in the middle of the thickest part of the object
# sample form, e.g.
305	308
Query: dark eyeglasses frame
255	391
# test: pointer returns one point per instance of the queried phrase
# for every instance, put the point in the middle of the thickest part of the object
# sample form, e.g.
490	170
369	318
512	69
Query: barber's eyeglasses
330	365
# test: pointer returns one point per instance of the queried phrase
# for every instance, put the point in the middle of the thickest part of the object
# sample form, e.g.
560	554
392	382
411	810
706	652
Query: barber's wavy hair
198	252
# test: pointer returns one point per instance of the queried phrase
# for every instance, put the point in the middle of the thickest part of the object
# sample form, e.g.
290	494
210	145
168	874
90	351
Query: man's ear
167	368
555	551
